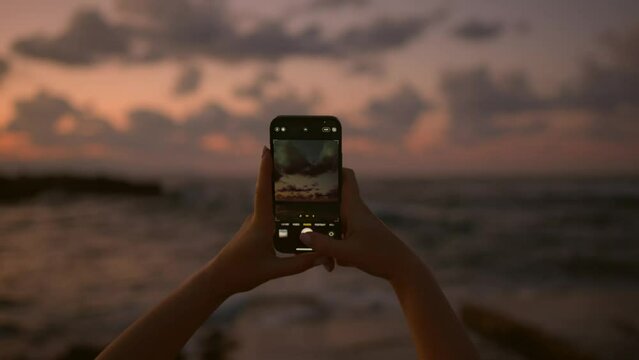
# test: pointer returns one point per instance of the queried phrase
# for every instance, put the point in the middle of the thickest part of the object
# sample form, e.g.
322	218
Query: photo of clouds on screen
306	170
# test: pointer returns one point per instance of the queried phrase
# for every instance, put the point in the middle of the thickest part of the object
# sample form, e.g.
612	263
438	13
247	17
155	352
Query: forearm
435	329
162	332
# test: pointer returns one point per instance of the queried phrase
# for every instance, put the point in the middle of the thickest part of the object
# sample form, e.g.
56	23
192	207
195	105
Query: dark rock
15	189
9	303
216	345
527	340
81	352
9	330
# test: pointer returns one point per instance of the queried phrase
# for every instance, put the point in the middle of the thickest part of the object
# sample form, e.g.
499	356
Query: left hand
249	259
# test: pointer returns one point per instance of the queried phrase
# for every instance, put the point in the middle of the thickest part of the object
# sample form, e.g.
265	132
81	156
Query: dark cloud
38	116
522	27
367	67
475	99
212	117
152	138
51	120
624	48
188	81
255	90
288	102
606	85
478	30
382	34
156	29
88	38
151	126
4	68
292	160
336	4
606	89
390	117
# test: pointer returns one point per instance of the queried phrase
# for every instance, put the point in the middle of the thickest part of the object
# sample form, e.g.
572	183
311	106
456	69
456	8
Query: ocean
555	256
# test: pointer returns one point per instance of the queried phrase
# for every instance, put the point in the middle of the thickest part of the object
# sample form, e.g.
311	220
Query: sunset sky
421	88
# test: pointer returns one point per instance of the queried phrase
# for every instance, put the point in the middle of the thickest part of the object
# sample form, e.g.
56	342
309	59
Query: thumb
324	245
300	263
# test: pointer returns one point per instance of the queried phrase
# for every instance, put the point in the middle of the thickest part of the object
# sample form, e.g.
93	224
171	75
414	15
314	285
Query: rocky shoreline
22	187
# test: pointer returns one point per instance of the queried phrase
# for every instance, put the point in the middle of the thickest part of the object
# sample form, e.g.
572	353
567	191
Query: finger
263	206
325	245
350	188
297	264
329	264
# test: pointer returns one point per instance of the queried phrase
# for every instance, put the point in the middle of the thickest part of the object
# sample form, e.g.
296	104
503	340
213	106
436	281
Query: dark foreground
537	268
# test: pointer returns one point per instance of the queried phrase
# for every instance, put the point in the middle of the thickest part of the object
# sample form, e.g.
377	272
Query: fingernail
320	260
305	238
264	150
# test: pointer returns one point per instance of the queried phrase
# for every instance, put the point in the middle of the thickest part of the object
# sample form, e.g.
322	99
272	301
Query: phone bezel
312	121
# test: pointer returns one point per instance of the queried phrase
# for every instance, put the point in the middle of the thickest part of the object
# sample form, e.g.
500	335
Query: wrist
217	285
407	271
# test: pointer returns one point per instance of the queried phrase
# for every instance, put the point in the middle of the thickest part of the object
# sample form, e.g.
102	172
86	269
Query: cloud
4	68
608	88
256	89
382	34
478	30
475	99
336	4
156	29
210	118
482	106
88	38
391	116
606	85
188	81
51	120
209	135
367	67
288	102
294	158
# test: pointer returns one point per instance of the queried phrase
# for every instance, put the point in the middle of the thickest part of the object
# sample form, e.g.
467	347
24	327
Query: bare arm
244	263
435	329
161	333
369	245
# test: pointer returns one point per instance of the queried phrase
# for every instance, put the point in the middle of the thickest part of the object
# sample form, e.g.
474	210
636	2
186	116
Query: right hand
367	243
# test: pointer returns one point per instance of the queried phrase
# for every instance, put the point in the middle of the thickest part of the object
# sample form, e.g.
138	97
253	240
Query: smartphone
307	179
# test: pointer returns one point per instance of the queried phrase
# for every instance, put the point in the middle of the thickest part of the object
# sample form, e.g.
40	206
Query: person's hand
367	244
249	259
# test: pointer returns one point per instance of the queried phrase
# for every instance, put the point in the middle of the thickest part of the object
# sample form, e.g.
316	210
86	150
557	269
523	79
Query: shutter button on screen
306	230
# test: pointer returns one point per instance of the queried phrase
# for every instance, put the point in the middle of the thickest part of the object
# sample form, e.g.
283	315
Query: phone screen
307	166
